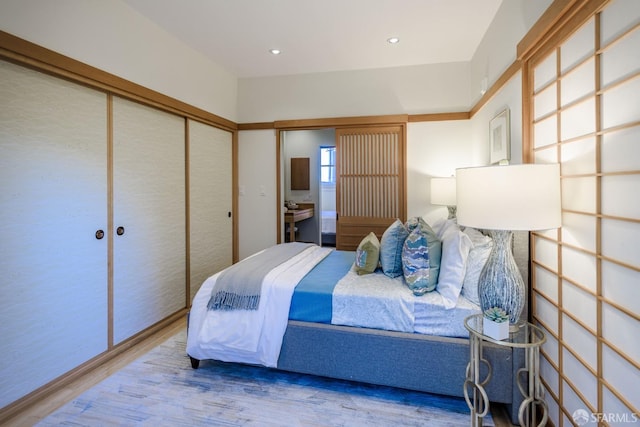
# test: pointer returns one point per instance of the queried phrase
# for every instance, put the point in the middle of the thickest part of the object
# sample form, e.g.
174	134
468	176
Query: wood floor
39	411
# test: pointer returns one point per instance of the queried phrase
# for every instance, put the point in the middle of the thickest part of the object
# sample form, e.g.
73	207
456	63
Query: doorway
328	212
307	143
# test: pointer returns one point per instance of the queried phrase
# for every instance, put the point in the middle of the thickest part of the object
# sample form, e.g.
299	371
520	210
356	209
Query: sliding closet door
210	201
149	255
53	199
370	185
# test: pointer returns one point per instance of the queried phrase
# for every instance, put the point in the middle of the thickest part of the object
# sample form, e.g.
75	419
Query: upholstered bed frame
411	361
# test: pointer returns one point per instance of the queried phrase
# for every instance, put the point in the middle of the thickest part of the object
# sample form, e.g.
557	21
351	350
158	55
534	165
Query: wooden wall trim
256	126
28	54
354	121
235	213
439	117
341	122
110	222
541	28
187	210
554	20
504	78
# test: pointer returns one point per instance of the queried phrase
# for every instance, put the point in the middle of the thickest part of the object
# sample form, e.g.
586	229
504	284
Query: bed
328	227
420	343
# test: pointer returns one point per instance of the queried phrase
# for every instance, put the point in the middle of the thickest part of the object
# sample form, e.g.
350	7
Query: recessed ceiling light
393	40
275	51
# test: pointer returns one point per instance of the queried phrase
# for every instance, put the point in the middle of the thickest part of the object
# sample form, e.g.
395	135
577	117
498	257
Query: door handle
99	234
120	231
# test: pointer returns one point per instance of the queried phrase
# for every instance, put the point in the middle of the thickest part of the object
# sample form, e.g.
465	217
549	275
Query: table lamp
502	199
443	192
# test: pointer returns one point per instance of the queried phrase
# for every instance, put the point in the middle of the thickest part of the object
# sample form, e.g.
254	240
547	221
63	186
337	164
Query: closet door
210	201
149	259
53	199
370	185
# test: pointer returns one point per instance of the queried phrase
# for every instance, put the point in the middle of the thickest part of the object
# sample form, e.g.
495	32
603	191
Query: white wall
434	149
498	48
257	188
113	37
423	89
410	90
510	96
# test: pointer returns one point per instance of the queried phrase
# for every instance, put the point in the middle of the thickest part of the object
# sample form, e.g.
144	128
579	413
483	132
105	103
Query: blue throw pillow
415	263
391	249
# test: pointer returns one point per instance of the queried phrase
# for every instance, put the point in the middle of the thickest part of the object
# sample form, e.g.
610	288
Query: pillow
438	226
435	245
368	254
476	260
455	251
441	226
391	249
477	237
412	223
415	262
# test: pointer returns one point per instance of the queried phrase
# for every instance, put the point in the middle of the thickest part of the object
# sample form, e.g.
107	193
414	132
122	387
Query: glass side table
527	336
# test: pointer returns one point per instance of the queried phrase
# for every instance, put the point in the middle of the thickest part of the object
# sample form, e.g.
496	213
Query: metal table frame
527	336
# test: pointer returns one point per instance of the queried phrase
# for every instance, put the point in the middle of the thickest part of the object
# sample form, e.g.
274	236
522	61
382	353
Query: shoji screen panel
149	258
210	201
585	96
53	199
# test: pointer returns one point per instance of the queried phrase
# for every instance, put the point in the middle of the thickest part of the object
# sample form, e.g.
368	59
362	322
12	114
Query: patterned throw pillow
415	263
368	254
391	249
435	246
414	222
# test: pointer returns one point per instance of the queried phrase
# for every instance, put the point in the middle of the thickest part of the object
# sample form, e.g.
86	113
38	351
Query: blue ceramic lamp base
500	283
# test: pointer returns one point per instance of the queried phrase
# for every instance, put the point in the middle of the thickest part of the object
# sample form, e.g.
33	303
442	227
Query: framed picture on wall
499	138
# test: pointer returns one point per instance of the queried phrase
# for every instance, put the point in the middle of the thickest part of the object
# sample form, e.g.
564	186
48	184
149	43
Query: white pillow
475	262
439	225
455	251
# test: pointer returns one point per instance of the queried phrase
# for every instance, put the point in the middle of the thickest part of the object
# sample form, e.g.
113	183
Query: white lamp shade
443	191
516	197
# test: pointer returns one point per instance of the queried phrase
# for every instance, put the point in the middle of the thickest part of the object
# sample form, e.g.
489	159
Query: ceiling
323	35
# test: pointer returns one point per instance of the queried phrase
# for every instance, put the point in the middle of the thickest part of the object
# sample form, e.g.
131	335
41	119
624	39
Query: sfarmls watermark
583	417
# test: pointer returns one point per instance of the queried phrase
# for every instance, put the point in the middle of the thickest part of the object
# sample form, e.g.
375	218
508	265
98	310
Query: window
328	165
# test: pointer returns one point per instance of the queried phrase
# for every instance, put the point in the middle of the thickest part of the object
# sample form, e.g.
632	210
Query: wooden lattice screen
370	182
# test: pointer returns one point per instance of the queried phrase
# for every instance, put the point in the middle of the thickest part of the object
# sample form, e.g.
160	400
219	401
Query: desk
304	211
529	337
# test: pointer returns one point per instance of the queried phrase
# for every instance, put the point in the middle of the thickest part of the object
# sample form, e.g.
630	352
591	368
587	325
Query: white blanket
249	336
373	301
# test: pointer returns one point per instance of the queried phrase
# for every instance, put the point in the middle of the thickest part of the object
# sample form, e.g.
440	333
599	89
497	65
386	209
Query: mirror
299	173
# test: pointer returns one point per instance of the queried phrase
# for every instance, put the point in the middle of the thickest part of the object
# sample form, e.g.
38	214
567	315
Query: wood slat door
370	183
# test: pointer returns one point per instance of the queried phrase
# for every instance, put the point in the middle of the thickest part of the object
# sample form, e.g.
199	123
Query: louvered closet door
149	259
210	201
370	185
53	198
